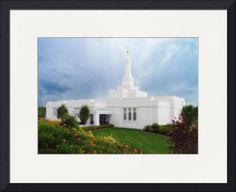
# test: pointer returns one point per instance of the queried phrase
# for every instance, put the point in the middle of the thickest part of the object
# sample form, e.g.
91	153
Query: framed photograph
126	95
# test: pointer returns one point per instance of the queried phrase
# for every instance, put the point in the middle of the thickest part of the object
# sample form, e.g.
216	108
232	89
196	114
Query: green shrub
95	127
55	139
41	112
91	128
161	129
49	135
152	128
155	127
106	126
62	110
148	128
165	129
69	121
84	114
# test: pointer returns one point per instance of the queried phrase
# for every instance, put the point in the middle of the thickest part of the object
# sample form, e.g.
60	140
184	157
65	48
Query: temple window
134	114
124	113
54	111
129	113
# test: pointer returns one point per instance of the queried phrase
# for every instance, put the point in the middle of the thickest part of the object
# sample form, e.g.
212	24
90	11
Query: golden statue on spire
127	50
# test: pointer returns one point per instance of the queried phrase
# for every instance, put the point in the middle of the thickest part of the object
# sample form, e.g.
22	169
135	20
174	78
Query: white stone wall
49	113
164	112
149	110
145	116
116	116
73	107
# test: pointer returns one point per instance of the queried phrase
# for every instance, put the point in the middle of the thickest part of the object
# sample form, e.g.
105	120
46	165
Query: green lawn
150	143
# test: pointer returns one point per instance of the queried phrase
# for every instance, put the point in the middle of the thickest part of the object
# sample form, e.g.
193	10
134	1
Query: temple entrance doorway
104	119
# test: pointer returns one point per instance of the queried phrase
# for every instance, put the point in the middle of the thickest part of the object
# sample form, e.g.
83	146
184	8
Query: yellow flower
93	138
92	144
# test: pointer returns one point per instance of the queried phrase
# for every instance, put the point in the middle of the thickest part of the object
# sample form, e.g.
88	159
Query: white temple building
127	106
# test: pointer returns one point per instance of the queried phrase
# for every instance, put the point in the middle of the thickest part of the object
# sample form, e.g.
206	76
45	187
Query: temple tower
127	89
128	80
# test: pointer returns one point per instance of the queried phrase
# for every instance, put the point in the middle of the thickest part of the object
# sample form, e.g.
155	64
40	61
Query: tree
62	110
41	112
190	113
84	114
184	134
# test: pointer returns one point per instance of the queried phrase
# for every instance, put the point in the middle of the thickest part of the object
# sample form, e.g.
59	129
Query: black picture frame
7	5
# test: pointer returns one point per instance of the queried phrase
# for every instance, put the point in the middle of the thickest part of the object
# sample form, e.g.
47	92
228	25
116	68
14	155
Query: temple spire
126	51
128	80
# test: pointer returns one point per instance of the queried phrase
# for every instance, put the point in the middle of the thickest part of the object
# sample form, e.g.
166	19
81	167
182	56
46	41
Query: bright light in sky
82	68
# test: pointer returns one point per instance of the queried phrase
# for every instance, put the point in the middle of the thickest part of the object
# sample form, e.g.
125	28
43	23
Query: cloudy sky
81	68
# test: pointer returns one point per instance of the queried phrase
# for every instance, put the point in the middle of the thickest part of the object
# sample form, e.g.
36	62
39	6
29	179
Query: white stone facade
127	106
